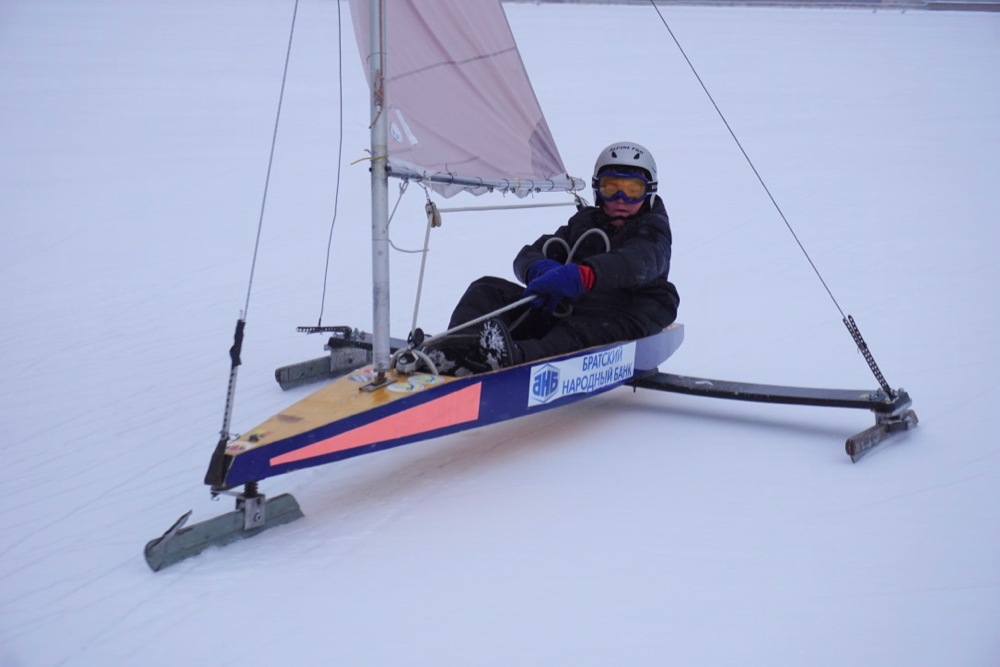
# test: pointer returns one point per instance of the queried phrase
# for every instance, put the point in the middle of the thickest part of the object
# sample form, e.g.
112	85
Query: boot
496	345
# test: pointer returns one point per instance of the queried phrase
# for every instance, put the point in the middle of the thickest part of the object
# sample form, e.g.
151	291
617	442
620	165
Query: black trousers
539	334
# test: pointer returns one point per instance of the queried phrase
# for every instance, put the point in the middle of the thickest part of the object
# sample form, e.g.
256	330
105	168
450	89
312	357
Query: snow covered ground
633	528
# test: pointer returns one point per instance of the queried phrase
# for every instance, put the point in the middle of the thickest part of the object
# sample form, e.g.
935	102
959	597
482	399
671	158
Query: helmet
631	157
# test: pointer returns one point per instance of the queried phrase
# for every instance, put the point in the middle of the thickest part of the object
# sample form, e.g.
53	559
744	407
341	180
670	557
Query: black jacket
630	280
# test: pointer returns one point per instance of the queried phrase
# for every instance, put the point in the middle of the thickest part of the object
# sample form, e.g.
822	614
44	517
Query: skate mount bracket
349	349
892	413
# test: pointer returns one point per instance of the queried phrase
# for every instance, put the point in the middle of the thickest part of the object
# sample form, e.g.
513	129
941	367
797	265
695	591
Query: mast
380	190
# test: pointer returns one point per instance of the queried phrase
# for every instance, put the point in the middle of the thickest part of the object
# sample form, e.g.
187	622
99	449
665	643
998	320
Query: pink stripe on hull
456	408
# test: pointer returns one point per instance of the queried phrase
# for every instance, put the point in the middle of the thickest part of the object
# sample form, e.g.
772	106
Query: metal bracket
379	381
886	425
349	349
254	512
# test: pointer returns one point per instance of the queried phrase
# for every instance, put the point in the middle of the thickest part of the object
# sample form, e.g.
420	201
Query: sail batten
461	112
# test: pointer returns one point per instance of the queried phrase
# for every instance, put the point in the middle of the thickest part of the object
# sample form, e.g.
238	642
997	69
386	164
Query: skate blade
180	543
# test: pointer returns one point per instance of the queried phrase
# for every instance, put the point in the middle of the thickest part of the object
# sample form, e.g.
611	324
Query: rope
568	310
340	153
572	251
402	189
378	78
433	220
370	158
527	299
420	277
847	319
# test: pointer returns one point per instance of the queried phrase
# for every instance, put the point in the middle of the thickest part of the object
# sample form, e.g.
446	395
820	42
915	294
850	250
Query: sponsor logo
544	383
425	379
405	387
581	375
364	375
406	128
413	383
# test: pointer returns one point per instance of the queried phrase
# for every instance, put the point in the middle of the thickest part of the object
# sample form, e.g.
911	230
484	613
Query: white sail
460	109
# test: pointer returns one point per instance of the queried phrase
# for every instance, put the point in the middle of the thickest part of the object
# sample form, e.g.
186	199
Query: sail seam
448	63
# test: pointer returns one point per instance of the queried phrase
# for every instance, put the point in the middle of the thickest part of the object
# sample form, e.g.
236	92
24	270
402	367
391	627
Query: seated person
615	282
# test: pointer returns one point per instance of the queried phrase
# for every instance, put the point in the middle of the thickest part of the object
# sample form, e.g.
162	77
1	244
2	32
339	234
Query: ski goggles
633	188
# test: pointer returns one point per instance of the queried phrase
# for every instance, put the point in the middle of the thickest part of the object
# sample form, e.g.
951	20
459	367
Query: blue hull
458	405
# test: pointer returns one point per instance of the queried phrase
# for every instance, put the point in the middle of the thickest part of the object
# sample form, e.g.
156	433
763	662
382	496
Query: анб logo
545	383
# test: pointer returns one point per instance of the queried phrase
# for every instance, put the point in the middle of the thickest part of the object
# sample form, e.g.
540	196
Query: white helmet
630	156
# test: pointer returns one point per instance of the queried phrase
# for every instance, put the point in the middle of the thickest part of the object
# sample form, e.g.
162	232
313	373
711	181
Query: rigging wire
847	319
340	153
749	161
270	160
214	475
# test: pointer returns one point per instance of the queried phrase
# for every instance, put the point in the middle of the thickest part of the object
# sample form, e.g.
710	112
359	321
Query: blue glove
555	285
540	267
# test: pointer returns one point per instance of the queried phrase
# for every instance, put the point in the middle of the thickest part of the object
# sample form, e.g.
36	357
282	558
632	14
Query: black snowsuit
631	296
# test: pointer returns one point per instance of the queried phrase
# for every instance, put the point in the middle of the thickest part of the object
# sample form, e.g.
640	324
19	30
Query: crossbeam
892	413
864	399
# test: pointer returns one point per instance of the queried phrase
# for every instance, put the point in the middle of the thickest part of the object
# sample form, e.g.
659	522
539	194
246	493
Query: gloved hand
559	283
540	267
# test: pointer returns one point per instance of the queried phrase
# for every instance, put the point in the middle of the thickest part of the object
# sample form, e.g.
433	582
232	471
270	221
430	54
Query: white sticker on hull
585	374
